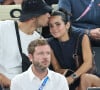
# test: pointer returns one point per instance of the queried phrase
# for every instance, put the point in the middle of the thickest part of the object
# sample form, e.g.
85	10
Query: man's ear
30	57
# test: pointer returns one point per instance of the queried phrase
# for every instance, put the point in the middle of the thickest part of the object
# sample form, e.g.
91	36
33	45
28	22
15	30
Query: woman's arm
87	56
56	65
87	59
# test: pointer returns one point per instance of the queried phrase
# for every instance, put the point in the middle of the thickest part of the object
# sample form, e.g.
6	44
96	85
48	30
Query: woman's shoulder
77	35
53	42
51	39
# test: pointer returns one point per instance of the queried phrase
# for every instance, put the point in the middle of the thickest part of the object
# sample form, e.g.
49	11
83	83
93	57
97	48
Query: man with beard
38	76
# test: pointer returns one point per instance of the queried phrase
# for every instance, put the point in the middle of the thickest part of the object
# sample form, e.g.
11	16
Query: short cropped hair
35	43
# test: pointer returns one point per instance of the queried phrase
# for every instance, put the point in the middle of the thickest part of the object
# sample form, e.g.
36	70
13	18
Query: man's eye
40	53
58	24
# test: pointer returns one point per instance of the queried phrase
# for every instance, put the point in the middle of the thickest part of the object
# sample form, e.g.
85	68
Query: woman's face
58	28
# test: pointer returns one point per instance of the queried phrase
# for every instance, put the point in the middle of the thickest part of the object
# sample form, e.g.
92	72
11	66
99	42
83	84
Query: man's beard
40	67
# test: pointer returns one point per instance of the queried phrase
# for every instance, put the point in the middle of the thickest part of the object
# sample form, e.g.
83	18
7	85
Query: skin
89	80
18	1
58	28
43	20
95	33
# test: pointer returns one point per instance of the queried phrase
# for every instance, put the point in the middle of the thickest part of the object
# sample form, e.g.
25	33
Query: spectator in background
38	76
35	14
85	17
63	45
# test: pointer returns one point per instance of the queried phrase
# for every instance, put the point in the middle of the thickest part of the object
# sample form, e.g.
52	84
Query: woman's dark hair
65	16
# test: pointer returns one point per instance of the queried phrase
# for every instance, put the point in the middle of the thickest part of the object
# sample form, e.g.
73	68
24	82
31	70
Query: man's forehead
42	47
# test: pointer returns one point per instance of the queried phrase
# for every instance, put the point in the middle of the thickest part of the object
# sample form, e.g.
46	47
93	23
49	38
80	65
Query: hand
95	33
4	81
70	80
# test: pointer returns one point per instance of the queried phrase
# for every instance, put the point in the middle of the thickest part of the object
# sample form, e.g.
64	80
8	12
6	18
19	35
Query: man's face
41	57
43	20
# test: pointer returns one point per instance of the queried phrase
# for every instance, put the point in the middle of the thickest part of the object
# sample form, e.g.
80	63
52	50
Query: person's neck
40	74
26	28
63	38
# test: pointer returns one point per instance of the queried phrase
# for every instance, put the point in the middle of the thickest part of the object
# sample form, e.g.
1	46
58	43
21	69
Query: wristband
88	32
74	76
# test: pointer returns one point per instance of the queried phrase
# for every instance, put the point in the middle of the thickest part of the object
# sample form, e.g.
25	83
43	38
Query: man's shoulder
57	77
6	21
21	76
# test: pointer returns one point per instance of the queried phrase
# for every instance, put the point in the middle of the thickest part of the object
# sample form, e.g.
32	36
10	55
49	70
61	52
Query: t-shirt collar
33	76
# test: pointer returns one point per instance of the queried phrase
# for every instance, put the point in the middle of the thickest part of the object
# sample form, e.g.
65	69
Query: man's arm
4	81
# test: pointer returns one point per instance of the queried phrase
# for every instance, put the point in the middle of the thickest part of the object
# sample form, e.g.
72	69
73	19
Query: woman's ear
67	25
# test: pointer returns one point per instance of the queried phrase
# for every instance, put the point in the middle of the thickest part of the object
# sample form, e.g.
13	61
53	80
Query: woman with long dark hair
63	45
